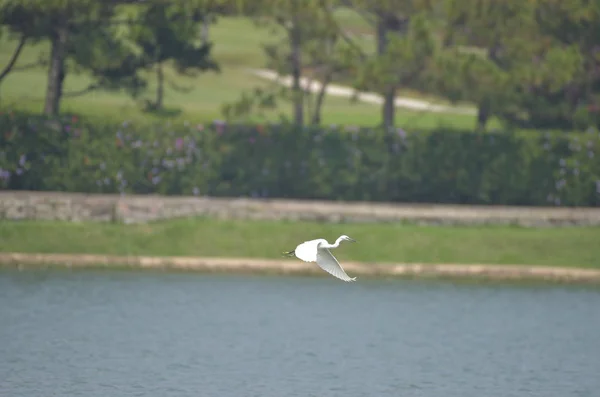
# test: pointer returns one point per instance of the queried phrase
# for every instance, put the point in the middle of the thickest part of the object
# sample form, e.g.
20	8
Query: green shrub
505	168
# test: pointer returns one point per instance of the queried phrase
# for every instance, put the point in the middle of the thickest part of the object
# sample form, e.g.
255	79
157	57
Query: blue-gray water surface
102	333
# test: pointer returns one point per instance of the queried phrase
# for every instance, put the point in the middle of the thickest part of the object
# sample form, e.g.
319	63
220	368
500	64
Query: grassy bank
569	247
25	90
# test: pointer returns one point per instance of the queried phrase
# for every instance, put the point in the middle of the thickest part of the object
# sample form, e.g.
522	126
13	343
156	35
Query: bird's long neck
337	243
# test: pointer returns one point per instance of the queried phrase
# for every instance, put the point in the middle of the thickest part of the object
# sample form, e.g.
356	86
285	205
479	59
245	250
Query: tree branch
84	91
29	66
14	57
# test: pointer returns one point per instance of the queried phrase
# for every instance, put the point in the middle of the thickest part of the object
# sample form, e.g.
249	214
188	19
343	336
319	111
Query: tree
568	71
22	26
308	48
79	30
311	47
505	63
171	33
87	35
404	47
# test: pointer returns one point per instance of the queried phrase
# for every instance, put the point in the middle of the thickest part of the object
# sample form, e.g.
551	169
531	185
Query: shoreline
22	261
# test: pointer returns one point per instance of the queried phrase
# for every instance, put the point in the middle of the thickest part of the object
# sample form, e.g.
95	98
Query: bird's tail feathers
289	253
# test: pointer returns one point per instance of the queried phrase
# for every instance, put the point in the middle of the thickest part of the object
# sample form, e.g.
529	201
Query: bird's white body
318	251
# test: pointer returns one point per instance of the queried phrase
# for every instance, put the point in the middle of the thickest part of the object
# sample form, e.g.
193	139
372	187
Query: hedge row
67	154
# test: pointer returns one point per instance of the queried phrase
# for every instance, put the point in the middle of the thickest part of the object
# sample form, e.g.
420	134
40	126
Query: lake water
101	333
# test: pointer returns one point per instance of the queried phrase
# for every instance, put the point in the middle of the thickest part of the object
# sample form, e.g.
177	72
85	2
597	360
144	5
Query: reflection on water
93	333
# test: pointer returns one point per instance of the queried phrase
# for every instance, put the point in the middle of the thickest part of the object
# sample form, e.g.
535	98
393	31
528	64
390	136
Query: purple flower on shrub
19	171
156	180
560	184
22	160
575	147
562	162
401	133
179	143
251	139
4	174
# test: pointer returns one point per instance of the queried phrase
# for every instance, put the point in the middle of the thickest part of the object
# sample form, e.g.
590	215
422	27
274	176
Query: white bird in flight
318	251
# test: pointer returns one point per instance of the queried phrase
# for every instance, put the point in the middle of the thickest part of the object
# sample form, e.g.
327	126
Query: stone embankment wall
22	205
291	267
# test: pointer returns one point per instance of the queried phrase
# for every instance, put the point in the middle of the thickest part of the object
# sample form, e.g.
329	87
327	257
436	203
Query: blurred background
460	132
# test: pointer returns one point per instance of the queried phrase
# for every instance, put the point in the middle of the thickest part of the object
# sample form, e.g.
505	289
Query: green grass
237	47
267	239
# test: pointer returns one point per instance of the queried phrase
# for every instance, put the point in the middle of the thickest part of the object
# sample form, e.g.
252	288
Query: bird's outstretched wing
307	251
327	262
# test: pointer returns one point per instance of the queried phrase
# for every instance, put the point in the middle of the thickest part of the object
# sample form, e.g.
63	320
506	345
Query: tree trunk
484	110
160	87
56	71
389	107
483	115
296	65
204	35
388	110
316	118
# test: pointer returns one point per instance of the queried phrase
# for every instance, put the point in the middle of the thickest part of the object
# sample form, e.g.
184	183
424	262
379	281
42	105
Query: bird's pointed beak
351	240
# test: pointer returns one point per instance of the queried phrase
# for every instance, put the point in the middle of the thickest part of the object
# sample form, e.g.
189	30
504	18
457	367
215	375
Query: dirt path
367	97
258	266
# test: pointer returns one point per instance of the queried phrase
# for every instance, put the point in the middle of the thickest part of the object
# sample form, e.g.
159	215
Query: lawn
237	47
268	239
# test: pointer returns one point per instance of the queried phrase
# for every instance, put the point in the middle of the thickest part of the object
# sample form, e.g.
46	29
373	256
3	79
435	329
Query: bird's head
346	238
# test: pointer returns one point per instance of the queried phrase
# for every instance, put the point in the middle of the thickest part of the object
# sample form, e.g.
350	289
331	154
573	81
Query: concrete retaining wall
21	205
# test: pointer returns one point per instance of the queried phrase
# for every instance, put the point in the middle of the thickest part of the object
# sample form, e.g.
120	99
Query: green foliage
404	61
545	58
441	166
165	33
